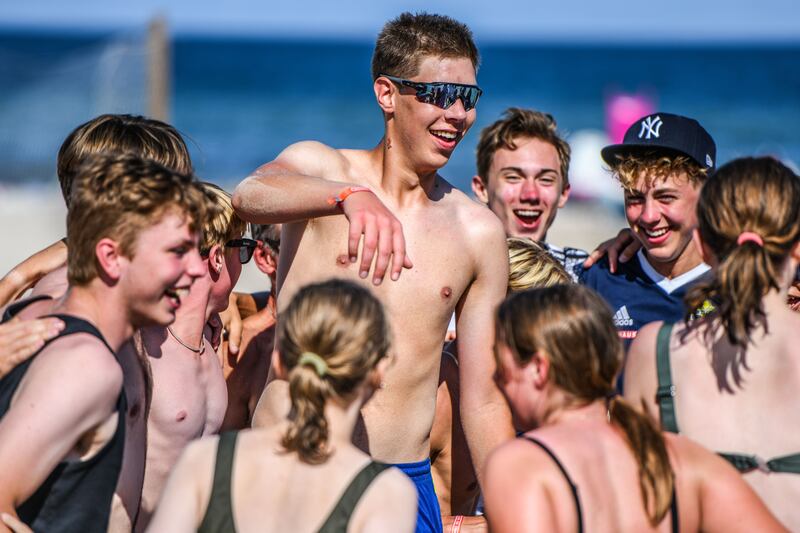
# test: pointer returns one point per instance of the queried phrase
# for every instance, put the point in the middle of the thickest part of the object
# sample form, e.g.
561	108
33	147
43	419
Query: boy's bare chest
441	273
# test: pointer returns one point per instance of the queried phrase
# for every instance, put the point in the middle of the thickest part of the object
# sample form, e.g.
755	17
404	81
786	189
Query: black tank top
219	514
77	495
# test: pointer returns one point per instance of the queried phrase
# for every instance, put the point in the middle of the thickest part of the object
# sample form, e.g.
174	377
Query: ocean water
240	101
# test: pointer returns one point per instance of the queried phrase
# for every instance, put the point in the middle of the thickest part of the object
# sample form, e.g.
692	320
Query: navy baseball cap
667	132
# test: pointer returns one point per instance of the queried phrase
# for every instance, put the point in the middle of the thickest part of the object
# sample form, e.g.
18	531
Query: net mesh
48	90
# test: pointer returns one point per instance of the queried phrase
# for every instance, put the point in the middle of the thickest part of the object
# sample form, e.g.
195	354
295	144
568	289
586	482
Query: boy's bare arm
64	395
305	182
485	414
26	274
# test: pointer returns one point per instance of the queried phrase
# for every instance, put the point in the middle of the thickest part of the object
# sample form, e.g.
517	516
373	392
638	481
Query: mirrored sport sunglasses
246	248
440	93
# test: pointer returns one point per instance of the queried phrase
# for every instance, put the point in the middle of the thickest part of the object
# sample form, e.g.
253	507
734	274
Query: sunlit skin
662	216
420	129
417	223
525	188
165	257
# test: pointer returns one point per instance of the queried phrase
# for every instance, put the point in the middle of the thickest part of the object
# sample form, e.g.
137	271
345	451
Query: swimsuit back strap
673	510
665	394
340	516
219	513
788	464
572	485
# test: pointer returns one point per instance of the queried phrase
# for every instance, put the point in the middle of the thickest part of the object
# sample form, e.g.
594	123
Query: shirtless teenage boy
189	396
246	374
133	256
440	251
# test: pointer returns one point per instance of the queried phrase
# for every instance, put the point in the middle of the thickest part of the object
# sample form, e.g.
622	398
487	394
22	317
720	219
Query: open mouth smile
174	295
528	217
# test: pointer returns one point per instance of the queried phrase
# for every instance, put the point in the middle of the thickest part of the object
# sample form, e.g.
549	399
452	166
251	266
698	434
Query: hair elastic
310	358
749	236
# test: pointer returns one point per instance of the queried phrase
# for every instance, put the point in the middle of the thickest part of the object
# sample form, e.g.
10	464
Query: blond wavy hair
655	166
223	224
531	266
141	136
344	325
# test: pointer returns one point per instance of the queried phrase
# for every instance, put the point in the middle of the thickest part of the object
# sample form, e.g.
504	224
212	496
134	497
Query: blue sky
566	20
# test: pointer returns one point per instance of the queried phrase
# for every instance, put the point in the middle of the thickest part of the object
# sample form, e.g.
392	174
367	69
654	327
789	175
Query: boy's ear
216	259
385	92
479	188
109	257
562	200
265	260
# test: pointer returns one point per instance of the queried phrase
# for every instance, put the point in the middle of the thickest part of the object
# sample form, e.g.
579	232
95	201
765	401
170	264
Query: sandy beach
30	219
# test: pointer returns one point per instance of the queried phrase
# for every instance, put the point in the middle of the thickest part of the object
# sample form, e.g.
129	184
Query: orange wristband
342	195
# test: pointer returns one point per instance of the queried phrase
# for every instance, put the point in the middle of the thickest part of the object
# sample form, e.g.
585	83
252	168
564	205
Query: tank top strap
14	308
219	512
665	394
73	324
340	515
572	486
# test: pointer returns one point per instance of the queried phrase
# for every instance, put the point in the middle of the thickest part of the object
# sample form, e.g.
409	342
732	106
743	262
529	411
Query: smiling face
164	265
524	188
427	134
662	216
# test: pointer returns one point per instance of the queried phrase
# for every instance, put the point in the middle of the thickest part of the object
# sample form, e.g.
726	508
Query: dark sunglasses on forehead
440	93
246	248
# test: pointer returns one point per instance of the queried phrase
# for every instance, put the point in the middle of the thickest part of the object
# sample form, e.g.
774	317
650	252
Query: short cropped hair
143	137
223	224
517	124
655	165
532	266
117	196
269	234
406	40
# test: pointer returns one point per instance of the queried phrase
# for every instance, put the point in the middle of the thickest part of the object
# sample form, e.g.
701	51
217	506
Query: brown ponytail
330	337
573	327
748	195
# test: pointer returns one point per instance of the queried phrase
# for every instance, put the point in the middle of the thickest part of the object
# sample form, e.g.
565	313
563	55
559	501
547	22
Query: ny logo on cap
651	126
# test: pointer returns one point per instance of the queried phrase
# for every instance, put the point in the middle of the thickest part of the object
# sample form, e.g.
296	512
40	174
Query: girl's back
275	491
745	402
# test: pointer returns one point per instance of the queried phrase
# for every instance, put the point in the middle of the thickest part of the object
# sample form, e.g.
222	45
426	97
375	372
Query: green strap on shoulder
219	513
788	464
665	394
340	516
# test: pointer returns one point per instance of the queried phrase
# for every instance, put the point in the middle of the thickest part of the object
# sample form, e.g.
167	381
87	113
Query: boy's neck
104	307
689	259
398	177
192	315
